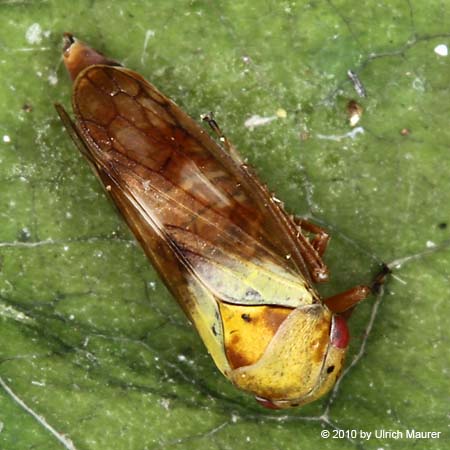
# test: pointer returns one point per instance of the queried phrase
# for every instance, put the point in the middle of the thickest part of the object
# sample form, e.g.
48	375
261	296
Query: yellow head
301	361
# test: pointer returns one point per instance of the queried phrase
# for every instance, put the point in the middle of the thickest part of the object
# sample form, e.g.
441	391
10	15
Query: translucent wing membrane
163	162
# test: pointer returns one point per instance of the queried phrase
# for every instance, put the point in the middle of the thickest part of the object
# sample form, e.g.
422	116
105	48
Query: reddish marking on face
340	335
266	403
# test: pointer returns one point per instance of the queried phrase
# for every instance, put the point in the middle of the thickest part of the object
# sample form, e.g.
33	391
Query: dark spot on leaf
330	369
213	329
443	225
246	317
24	235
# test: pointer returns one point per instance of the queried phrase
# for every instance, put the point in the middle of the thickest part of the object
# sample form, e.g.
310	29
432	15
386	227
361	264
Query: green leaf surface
94	352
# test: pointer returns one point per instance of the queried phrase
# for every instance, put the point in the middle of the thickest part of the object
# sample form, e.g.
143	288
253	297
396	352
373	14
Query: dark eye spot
330	369
246	317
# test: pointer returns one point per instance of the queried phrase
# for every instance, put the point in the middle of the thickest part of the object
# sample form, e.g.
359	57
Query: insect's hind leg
313	249
321	237
345	301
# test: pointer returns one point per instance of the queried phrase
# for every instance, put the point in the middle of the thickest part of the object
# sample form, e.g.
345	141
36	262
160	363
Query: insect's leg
314	263
313	250
321	237
222	138
345	301
380	279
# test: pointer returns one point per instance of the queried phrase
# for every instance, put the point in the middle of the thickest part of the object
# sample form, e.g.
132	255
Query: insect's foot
380	279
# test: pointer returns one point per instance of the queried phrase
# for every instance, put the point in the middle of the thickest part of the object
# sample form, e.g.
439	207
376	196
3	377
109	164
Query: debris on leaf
357	84
354	111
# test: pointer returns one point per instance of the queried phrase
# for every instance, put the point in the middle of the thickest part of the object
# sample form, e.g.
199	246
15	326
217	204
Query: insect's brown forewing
213	233
167	159
128	116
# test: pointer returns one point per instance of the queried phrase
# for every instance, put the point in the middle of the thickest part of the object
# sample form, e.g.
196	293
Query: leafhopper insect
242	269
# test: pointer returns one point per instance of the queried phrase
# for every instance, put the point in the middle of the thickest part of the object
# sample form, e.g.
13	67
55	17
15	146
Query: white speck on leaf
33	35
430	244
418	85
354	119
6	138
165	403
441	50
257	121
234	418
148	35
338	137
52	79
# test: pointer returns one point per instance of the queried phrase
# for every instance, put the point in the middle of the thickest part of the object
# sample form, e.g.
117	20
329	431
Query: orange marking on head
248	331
